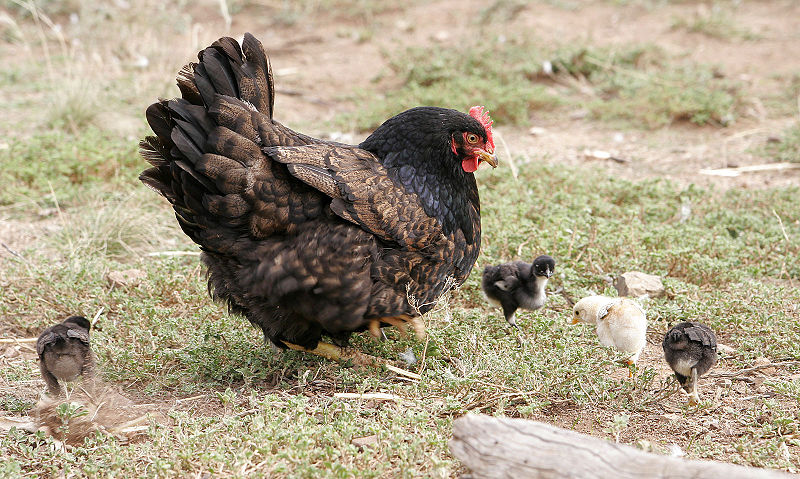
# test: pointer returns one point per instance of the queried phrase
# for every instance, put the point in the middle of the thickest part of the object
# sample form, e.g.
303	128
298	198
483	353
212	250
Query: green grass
715	22
164	339
786	147
67	164
638	85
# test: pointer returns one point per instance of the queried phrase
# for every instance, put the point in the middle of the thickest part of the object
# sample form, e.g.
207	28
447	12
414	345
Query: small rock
365	441
128	277
441	36
725	349
676	451
634	283
579	114
762	361
537	131
597	154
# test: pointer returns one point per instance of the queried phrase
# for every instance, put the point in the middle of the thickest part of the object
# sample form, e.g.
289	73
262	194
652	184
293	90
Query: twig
97	315
780	222
511	163
178	401
369	396
754	368
174	253
18	340
403	372
7	248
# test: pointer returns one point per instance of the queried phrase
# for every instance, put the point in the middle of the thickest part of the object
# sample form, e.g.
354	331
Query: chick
690	350
518	285
64	353
621	323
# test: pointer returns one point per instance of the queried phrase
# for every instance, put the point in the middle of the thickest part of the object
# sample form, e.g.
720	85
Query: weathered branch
516	448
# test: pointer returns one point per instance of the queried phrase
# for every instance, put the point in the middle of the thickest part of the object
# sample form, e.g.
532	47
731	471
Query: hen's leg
336	353
399	322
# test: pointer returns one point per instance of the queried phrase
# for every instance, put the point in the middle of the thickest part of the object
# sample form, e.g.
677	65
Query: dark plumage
518	285
306	237
690	350
64	353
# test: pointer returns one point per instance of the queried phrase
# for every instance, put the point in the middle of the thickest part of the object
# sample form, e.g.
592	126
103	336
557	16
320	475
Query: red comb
482	116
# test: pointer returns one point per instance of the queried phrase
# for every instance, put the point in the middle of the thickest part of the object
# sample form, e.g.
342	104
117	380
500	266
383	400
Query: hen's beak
574	320
488	158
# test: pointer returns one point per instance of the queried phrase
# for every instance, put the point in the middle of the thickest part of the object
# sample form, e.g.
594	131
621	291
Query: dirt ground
319	60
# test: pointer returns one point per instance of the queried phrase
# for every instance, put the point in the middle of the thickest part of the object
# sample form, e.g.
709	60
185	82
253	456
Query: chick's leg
52	382
694	397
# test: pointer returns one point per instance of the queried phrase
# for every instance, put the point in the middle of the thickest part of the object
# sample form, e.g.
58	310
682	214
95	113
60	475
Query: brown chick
64	353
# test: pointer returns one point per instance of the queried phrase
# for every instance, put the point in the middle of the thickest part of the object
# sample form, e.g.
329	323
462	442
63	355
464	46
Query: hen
306	237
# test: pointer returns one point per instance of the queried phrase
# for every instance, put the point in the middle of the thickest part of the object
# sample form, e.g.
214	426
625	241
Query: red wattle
470	164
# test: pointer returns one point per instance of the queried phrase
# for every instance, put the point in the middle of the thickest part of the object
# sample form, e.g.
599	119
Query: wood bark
493	447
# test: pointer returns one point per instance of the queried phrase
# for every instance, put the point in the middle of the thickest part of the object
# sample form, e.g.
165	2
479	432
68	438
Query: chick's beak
490	158
574	320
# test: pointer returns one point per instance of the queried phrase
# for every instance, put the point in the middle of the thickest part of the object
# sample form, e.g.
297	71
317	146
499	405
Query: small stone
725	349
128	277
762	361
362	442
537	131
596	154
635	284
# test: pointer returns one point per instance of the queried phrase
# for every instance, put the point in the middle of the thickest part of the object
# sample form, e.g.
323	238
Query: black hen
64	353
518	285
306	237
690	350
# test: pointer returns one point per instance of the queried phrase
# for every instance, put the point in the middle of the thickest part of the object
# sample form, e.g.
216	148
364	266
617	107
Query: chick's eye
472	138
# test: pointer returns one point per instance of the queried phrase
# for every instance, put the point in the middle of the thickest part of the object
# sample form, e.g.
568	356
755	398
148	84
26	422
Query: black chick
690	350
518	285
64	352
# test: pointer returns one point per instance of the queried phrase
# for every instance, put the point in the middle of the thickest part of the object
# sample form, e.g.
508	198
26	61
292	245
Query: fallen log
493	447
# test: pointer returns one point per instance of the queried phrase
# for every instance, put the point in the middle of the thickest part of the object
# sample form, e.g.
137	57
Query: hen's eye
472	138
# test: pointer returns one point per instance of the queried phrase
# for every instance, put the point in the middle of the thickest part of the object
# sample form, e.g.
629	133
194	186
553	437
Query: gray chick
64	353
518	285
690	350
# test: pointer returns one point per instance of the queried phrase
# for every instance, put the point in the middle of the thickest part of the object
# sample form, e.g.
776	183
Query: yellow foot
631	367
400	322
336	353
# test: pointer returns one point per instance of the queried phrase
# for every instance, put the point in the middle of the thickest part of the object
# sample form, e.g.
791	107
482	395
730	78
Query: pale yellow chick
621	322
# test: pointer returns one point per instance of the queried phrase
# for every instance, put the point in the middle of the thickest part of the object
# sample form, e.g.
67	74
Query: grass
786	147
634	85
715	22
231	407
164	339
